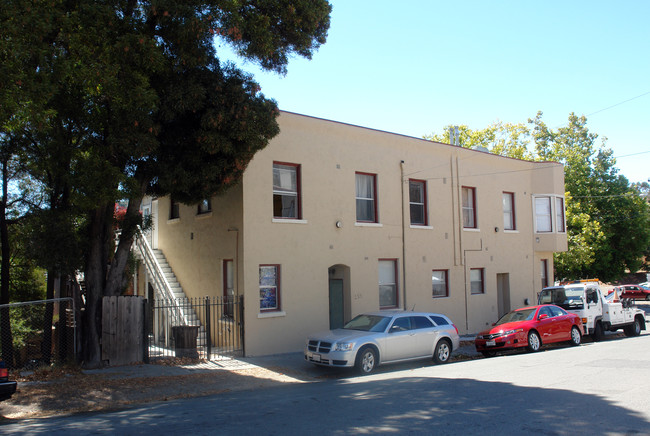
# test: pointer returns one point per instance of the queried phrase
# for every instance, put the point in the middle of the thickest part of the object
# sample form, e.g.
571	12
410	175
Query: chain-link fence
37	333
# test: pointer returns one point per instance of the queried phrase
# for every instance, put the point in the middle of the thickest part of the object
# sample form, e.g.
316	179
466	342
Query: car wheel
597	335
576	338
442	352
366	360
534	343
489	353
647	297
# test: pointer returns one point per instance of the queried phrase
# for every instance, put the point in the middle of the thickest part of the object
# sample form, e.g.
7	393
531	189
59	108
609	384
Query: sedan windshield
368	323
517	315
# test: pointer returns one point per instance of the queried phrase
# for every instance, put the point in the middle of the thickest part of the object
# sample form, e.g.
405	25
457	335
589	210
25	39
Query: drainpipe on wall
403	234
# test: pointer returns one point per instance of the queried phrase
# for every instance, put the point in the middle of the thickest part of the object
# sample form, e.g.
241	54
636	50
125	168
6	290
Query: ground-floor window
439	283
544	268
476	276
388	283
269	287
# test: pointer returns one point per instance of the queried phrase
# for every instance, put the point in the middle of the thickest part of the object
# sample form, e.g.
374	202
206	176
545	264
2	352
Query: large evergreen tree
133	99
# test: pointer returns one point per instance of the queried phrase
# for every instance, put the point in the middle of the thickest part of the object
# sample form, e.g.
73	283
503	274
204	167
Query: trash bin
185	340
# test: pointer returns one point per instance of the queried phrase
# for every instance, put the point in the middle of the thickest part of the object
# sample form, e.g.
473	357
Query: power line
618	104
631	154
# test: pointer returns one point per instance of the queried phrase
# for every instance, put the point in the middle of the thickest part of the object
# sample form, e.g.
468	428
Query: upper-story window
418	202
366	195
469	207
286	191
174	209
509	222
205	206
559	215
543	222
549	214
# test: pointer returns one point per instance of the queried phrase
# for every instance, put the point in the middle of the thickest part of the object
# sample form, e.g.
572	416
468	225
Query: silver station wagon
376	338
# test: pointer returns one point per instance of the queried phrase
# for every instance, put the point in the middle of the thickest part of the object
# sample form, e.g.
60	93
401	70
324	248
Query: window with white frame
418	202
387	283
549	214
476	278
509	222
439	283
469	207
269	288
366	196
559	215
286	191
543	215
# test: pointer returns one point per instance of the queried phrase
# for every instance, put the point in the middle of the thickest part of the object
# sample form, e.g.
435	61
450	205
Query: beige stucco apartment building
331	220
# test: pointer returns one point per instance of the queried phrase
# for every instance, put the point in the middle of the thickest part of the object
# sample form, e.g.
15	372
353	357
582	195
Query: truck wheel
442	352
575	336
597	335
633	329
366	360
534	342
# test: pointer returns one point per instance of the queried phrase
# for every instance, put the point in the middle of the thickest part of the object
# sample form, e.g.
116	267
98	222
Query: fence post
241	325
145	330
208	328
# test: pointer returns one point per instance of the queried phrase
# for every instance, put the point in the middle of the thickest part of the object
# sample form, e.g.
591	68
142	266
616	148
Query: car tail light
4	373
584	320
455	328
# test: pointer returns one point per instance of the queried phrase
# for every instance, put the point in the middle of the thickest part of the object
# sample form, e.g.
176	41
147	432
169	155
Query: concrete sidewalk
287	363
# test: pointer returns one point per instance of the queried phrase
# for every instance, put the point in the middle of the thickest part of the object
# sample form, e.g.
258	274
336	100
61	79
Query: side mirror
393	329
543	316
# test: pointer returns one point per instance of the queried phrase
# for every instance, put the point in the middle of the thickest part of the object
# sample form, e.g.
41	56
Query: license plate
315	357
490	343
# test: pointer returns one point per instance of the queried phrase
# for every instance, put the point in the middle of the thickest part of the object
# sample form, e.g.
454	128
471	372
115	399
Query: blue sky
415	66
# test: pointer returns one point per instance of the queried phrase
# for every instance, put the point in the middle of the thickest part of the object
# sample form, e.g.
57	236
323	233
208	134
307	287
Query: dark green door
336	303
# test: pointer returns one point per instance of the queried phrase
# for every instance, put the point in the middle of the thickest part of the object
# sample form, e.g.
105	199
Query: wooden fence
123	323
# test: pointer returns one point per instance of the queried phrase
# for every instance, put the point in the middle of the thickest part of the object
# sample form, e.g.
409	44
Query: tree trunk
95	277
115	279
5	322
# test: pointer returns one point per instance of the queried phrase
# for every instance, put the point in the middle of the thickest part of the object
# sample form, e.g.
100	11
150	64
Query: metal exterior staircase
167	287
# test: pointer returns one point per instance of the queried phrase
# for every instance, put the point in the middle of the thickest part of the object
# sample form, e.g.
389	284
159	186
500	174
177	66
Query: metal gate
210	328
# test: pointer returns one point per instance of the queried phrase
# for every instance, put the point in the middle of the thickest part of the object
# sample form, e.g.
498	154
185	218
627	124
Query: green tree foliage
129	97
607	220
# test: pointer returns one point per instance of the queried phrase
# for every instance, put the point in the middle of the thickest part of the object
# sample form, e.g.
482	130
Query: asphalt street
598	389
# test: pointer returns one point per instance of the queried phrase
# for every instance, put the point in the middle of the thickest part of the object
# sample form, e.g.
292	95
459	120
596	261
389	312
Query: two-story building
331	220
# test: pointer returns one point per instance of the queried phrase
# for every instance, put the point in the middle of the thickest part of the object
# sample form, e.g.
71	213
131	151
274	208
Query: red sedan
633	291
530	327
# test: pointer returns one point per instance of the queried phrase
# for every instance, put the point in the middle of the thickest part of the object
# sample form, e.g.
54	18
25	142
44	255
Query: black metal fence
37	333
210	328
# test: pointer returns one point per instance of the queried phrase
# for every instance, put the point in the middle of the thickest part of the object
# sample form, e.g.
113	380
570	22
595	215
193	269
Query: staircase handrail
159	279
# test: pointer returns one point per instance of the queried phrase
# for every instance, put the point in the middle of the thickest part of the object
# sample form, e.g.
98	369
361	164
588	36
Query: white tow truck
598	313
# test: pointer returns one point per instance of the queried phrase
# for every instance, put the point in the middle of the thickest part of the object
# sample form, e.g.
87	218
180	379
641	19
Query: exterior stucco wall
196	245
329	154
312	250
